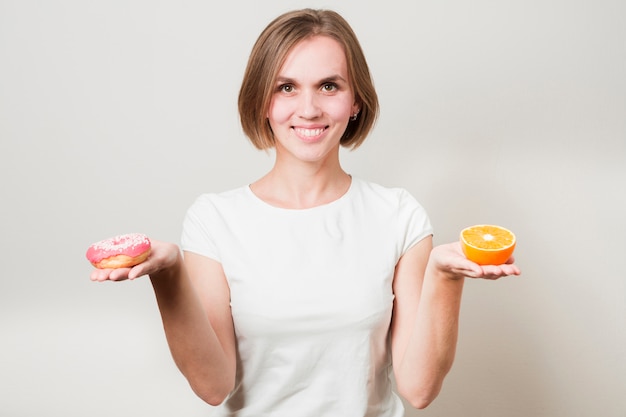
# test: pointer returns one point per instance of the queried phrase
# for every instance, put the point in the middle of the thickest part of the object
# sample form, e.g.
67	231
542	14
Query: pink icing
131	244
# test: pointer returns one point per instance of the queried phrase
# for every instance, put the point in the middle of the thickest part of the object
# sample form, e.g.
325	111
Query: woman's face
312	101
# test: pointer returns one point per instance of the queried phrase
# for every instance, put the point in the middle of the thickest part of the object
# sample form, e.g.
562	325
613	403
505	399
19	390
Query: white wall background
115	115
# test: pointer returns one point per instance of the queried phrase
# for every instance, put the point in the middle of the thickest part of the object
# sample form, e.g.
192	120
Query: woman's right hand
164	255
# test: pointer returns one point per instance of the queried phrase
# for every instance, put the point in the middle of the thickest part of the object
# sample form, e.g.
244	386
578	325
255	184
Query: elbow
420	403
215	394
419	397
212	398
212	386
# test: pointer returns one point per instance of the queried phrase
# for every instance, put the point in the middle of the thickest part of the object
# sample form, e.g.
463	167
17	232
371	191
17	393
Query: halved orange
487	244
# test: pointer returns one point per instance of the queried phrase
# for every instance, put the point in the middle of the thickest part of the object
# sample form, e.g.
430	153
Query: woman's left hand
450	260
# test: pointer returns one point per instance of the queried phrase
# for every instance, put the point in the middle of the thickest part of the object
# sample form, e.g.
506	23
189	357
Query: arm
428	285
194	302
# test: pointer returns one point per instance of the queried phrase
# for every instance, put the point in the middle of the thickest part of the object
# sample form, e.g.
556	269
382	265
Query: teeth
309	132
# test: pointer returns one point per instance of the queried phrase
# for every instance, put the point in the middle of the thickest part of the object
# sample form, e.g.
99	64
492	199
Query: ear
356	106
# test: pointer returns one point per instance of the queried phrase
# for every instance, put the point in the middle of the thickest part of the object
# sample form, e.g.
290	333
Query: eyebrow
332	78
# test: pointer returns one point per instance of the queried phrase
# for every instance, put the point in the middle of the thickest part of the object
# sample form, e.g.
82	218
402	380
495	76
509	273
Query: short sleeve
197	234
413	222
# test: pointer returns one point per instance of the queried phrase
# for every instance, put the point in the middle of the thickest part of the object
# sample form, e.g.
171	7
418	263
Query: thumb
137	271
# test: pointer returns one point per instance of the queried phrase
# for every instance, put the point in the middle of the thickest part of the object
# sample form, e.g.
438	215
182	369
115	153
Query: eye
285	88
329	87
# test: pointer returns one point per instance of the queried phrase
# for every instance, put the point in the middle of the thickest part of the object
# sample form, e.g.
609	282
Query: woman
297	293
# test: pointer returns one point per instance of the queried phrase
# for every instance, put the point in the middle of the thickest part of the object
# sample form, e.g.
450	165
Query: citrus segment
487	244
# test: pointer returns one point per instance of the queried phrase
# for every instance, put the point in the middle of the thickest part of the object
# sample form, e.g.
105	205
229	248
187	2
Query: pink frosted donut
121	251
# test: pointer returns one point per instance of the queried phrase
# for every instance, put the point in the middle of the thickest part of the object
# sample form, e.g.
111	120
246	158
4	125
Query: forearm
430	350
194	344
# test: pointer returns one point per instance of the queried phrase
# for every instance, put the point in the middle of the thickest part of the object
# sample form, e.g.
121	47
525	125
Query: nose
308	105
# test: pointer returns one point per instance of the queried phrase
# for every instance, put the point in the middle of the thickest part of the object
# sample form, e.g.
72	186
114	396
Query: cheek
339	109
279	111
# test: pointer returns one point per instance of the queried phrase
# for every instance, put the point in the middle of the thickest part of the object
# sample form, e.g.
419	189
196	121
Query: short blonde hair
269	54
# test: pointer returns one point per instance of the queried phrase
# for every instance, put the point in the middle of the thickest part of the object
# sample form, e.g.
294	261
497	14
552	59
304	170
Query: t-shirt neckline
333	203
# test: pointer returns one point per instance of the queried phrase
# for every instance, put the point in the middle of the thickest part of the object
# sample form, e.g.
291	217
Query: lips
309	133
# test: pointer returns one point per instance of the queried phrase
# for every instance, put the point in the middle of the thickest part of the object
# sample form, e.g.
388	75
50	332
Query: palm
449	258
163	256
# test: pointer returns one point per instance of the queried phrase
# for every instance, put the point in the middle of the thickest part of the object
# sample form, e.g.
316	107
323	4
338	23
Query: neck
300	186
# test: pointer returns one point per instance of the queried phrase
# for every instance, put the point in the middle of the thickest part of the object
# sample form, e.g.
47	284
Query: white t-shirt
311	297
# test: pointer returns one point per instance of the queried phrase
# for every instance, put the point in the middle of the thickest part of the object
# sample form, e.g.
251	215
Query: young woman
303	293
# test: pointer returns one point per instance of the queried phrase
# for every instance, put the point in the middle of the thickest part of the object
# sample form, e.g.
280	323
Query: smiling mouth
309	133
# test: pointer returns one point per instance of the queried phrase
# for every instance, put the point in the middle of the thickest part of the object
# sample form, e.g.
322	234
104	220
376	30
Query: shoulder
396	197
209	210
209	217
395	205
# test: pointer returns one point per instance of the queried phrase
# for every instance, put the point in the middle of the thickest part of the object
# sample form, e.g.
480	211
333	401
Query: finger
137	271
499	271
119	274
511	269
464	265
100	275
